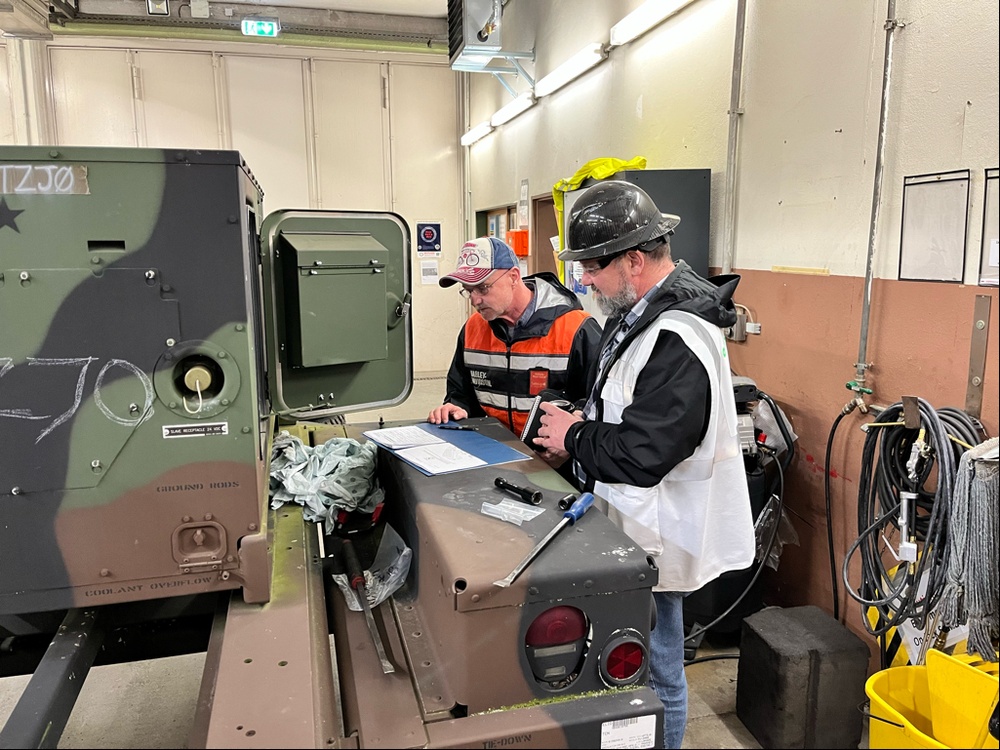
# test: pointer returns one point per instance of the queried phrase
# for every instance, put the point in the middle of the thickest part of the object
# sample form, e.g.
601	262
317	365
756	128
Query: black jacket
671	404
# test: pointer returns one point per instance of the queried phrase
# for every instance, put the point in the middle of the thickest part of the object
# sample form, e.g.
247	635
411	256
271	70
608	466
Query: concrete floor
151	704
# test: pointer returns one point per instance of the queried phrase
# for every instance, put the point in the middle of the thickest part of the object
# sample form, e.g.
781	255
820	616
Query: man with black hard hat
657	439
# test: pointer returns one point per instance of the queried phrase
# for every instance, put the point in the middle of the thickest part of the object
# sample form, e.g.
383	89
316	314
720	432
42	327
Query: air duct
25	19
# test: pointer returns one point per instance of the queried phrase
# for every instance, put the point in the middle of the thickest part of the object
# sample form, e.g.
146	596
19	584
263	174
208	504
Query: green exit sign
260	27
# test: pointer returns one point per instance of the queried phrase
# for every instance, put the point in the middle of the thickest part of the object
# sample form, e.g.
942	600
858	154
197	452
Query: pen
456	427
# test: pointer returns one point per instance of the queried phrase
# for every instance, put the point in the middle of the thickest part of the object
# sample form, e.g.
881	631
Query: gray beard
621	302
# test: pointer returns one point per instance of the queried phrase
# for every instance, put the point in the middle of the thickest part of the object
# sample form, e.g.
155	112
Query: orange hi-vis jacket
498	370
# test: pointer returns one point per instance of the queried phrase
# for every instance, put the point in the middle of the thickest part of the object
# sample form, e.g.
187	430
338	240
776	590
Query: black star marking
7	216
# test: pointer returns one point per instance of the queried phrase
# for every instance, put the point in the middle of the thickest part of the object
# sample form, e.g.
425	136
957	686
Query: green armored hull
134	399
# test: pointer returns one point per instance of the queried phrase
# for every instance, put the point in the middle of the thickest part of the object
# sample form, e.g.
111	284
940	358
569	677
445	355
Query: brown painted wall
919	343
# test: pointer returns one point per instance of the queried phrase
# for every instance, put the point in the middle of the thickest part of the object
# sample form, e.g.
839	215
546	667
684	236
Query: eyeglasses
599	264
483	289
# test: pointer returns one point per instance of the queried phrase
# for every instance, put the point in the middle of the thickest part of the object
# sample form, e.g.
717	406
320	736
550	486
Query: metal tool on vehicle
356	578
532	497
571	516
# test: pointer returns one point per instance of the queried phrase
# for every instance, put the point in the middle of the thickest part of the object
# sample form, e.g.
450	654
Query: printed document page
440	458
402	437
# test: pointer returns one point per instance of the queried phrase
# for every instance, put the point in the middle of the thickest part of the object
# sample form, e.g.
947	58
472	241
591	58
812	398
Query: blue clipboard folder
440	451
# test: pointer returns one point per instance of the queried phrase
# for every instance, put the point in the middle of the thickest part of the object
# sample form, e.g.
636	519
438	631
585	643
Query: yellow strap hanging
598	169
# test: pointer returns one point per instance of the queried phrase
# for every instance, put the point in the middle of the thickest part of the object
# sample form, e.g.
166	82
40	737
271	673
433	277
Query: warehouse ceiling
391	22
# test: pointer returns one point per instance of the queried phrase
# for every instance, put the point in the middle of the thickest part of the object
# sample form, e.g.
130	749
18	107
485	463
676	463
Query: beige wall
319	128
6	101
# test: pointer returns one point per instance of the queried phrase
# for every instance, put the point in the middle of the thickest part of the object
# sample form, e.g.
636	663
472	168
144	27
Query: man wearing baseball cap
526	335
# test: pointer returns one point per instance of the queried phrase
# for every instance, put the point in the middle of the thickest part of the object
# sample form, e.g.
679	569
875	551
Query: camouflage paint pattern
120	271
148	333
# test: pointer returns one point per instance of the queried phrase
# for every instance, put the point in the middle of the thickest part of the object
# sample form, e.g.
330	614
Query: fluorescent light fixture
474	134
575	66
512	109
643	18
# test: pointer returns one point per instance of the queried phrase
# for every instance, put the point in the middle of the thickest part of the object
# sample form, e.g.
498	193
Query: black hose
711	657
894	462
760	568
829	516
781	466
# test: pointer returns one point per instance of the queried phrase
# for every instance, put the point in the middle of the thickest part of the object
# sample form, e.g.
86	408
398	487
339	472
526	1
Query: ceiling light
643	18
512	109
578	64
474	134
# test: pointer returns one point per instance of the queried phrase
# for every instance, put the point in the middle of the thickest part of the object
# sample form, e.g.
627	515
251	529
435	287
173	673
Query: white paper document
439	458
425	450
402	437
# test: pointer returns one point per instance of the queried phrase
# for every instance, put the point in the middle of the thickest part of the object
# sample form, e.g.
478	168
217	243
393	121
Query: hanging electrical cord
893	492
695	634
711	657
829	513
781	466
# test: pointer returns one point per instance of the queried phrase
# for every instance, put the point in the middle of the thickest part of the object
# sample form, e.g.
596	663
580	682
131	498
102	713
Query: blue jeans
666	664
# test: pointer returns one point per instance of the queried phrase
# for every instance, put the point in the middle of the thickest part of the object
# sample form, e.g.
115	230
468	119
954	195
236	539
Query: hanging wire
897	460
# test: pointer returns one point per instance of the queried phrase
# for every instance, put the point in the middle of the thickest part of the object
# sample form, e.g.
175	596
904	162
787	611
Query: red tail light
556	645
557	626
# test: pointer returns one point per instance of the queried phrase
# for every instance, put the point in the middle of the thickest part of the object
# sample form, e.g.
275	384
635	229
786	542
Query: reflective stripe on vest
506	381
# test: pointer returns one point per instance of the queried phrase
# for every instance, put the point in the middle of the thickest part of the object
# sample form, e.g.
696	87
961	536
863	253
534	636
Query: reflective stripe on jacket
507	377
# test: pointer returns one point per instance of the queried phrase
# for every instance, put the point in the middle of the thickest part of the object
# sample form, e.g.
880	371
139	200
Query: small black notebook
530	431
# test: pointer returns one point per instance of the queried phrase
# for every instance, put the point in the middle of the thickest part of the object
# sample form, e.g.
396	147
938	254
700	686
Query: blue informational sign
428	238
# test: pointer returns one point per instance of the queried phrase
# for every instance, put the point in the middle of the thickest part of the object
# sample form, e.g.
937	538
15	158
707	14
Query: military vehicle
154	327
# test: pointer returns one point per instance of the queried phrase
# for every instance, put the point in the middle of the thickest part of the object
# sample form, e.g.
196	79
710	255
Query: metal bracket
977	355
911	413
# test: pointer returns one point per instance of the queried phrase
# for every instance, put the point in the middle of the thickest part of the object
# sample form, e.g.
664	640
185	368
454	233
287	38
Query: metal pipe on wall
735	111
891	24
27	61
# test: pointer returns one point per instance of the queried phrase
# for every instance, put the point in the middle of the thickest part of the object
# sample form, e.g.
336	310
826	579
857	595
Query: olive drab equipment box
152	322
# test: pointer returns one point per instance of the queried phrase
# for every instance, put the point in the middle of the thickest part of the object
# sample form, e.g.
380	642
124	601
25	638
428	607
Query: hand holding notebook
531	427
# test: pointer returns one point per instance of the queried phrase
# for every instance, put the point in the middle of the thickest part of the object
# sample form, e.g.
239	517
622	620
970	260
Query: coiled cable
916	469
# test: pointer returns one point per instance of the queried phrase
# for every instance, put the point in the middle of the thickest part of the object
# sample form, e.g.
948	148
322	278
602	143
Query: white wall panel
376	147
177	98
808	139
351	135
6	101
267	121
92	97
944	113
427	188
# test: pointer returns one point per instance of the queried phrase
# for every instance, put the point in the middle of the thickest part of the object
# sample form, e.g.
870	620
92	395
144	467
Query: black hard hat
612	217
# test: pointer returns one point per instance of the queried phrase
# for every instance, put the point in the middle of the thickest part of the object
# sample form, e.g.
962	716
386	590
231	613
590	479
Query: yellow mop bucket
945	704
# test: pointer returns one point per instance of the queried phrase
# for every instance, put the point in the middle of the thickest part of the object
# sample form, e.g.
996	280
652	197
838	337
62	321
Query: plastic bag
765	420
763	529
386	574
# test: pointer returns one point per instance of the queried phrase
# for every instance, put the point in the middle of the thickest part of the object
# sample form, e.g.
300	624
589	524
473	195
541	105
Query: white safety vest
696	523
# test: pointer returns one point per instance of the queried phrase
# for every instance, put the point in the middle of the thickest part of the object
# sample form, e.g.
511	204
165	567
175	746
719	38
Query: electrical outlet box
738	331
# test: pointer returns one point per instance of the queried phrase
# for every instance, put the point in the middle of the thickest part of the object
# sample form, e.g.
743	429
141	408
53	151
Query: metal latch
403	308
